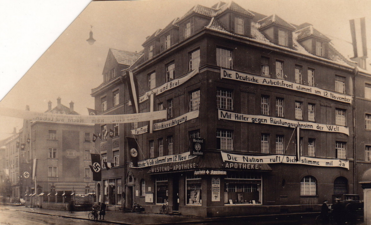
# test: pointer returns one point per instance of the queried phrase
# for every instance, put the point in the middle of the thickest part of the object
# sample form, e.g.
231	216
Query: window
224	58
187	30
112	73
279	107
87	172
224	99
170	72
167	41
194	134
341	150
142	188
308	186
151	149
103	104
340	84
368	154
320	48
150	53
311	112
170	108
239	27
283	38
52	172
265	143
298	75
116	98
104	159
52	153
311	147
162	191
279	144
340	117
160	106
194	189
311	77
368	91
52	135
170	145
194	100
194	60
87	137
87	154
368	121
265	66
152	80
116	130
265	105
298	110
160	147
224	139
116	158
279	69
242	188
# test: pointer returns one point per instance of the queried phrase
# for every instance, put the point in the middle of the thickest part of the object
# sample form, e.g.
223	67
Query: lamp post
90	40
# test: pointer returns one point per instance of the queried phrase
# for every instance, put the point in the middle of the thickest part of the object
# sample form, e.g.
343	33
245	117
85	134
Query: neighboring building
238	83
11	166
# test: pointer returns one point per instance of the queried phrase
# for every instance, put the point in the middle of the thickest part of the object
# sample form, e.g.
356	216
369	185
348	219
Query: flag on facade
96	167
133	90
358	30
111	133
92	112
297	143
133	150
94	137
34	166
104	134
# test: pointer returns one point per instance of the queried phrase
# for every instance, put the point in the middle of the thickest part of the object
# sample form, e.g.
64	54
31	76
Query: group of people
341	212
99	209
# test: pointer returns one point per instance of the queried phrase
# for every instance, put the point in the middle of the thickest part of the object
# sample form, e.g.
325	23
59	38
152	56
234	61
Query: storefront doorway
175	194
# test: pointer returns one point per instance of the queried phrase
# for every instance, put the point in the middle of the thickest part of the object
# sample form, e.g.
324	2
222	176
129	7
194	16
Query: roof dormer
277	30
312	40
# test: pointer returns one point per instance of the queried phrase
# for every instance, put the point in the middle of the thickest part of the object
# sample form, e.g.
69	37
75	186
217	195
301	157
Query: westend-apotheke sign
175	167
248	78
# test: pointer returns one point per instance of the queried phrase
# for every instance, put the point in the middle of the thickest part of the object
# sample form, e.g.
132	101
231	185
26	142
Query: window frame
264	68
170	74
52	135
311	112
311	75
103	103
52	153
194	101
367	91
298	110
280	107
169	109
167	41
280	145
239	25
279	69
170	145
160	142
340	117
116	97
224	139
151	77
265	143
368	121
264	105
312	147
340	86
224	98
151	148
283	37
298	74
224	57
187	29
312	183
194	59
341	150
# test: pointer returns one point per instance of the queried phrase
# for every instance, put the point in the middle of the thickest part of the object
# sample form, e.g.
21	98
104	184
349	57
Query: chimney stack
71	106
59	101
50	105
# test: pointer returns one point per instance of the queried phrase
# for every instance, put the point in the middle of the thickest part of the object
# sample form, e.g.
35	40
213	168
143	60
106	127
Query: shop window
265	66
308	186
239	25
311	147
242	189
224	140
298	110
265	143
280	107
279	70
341	150
194	189
224	58
162	191
279	144
52	135
311	77
194	100
265	105
170	72
170	145
194	60
340	84
311	112
340	186
142	188
224	99
368	153
340	117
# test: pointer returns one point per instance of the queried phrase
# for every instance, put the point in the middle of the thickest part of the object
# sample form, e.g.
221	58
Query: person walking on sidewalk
102	211
95	209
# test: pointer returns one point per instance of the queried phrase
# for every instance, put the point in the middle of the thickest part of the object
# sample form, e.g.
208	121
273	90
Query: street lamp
90	40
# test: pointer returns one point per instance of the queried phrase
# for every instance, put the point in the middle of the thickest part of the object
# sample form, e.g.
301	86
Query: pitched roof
125	57
62	109
274	19
199	9
233	7
310	31
215	25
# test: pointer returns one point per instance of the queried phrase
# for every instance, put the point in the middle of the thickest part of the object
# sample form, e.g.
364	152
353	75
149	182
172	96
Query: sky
44	53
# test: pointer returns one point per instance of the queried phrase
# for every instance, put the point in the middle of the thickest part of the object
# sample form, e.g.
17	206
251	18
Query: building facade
259	118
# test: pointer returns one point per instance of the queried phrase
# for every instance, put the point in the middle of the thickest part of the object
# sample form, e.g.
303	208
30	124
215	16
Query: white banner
140	130
168	86
77	119
166	159
176	121
225	115
248	78
286	159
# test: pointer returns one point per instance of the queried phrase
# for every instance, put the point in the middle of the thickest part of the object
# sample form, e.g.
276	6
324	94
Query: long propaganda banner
176	121
248	78
78	119
225	115
166	159
286	159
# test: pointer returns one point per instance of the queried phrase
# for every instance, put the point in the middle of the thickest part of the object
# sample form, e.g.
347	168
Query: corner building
239	83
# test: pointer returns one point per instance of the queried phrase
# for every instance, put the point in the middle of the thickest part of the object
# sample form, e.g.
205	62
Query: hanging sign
215	189
140	130
249	78
197	146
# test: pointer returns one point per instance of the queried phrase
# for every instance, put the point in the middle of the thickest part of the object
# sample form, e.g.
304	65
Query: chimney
14	130
49	105
27	108
71	106
59	101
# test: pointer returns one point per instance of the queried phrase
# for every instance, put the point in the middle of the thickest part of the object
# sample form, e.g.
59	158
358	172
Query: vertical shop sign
215	187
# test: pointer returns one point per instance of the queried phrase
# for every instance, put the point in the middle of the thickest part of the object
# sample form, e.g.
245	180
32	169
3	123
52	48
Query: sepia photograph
201	112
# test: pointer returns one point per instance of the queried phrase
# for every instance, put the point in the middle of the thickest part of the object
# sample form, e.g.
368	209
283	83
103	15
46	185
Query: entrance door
129	198
175	193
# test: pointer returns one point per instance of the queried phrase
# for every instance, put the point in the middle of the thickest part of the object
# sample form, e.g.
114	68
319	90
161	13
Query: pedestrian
102	211
339	212
324	212
95	209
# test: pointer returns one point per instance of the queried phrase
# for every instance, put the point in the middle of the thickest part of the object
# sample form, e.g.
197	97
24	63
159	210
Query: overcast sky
71	67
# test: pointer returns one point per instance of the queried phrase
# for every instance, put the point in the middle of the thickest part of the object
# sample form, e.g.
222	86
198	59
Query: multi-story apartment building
259	114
